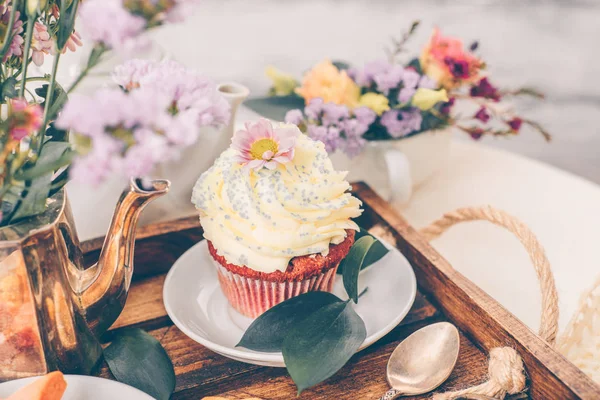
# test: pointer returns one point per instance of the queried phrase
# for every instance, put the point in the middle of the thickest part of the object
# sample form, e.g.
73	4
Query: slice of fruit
48	387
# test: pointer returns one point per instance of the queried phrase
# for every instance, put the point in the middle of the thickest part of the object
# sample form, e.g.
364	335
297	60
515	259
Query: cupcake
276	216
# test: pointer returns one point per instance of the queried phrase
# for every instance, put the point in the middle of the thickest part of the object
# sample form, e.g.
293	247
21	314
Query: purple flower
329	136
364	115
129	74
110	23
314	108
389	78
365	76
333	113
405	94
482	115
353	146
401	123
427	83
294	117
485	89
187	88
130	132
98	164
410	78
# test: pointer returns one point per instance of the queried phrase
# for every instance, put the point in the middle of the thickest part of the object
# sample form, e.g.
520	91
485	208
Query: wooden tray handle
506	374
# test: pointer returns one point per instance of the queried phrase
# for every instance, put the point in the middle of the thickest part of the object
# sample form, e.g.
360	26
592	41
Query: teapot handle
399	177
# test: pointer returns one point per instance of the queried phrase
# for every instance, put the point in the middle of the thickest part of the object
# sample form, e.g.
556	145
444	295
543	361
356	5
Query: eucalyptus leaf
275	107
137	359
376	252
34	198
353	264
66	22
322	344
54	155
8	89
268	331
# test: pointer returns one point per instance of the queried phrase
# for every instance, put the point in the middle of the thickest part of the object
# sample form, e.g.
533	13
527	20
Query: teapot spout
105	285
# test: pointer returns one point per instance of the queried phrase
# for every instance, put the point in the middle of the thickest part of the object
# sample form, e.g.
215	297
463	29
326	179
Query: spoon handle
391	395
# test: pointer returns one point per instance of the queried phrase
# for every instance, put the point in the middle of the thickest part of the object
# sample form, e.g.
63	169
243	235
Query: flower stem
8	34
39	139
28	38
93	60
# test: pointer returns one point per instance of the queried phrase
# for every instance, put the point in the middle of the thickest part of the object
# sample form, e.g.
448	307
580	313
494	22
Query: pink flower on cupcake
263	145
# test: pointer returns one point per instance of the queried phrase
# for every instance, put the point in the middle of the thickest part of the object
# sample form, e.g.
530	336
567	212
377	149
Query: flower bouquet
356	109
49	135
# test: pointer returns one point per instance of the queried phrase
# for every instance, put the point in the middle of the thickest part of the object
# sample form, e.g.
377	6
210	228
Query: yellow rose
427	98
283	84
330	84
376	102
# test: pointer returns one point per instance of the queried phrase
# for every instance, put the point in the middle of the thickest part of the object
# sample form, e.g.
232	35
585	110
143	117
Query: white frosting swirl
262	219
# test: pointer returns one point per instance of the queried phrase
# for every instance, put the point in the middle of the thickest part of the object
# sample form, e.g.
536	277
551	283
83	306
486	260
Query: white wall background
551	45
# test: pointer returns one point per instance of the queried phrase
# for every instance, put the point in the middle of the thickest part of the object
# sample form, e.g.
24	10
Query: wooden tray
444	295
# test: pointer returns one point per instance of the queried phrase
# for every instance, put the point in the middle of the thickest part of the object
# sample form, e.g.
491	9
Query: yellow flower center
259	147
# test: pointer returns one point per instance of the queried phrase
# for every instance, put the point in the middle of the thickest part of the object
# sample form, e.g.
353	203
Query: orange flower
445	60
327	82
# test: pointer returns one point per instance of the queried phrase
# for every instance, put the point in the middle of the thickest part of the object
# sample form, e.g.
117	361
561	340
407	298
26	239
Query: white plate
194	301
83	388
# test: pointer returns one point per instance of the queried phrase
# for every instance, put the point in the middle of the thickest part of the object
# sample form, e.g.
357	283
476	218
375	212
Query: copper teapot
52	308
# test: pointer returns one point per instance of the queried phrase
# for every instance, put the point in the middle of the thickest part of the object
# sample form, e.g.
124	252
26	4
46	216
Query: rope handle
550	310
506	373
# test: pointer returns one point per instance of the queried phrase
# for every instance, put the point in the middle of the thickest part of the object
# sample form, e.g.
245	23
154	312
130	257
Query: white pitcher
393	168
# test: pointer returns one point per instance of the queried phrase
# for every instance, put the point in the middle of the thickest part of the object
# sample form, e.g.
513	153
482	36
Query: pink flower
24	118
73	42
263	145
16	45
445	60
110	23
41	43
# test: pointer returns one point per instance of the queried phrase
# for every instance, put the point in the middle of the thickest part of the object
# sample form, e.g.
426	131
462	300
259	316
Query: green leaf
8	89
66	23
95	55
59	98
353	264
56	135
54	156
137	359
322	344
268	331
275	107
341	65
34	200
376	252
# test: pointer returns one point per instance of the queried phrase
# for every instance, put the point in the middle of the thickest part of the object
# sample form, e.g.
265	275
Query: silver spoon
422	361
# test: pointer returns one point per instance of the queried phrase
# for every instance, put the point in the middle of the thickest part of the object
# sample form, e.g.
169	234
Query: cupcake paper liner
252	297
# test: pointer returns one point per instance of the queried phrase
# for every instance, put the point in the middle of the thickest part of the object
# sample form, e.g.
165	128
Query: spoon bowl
423	361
